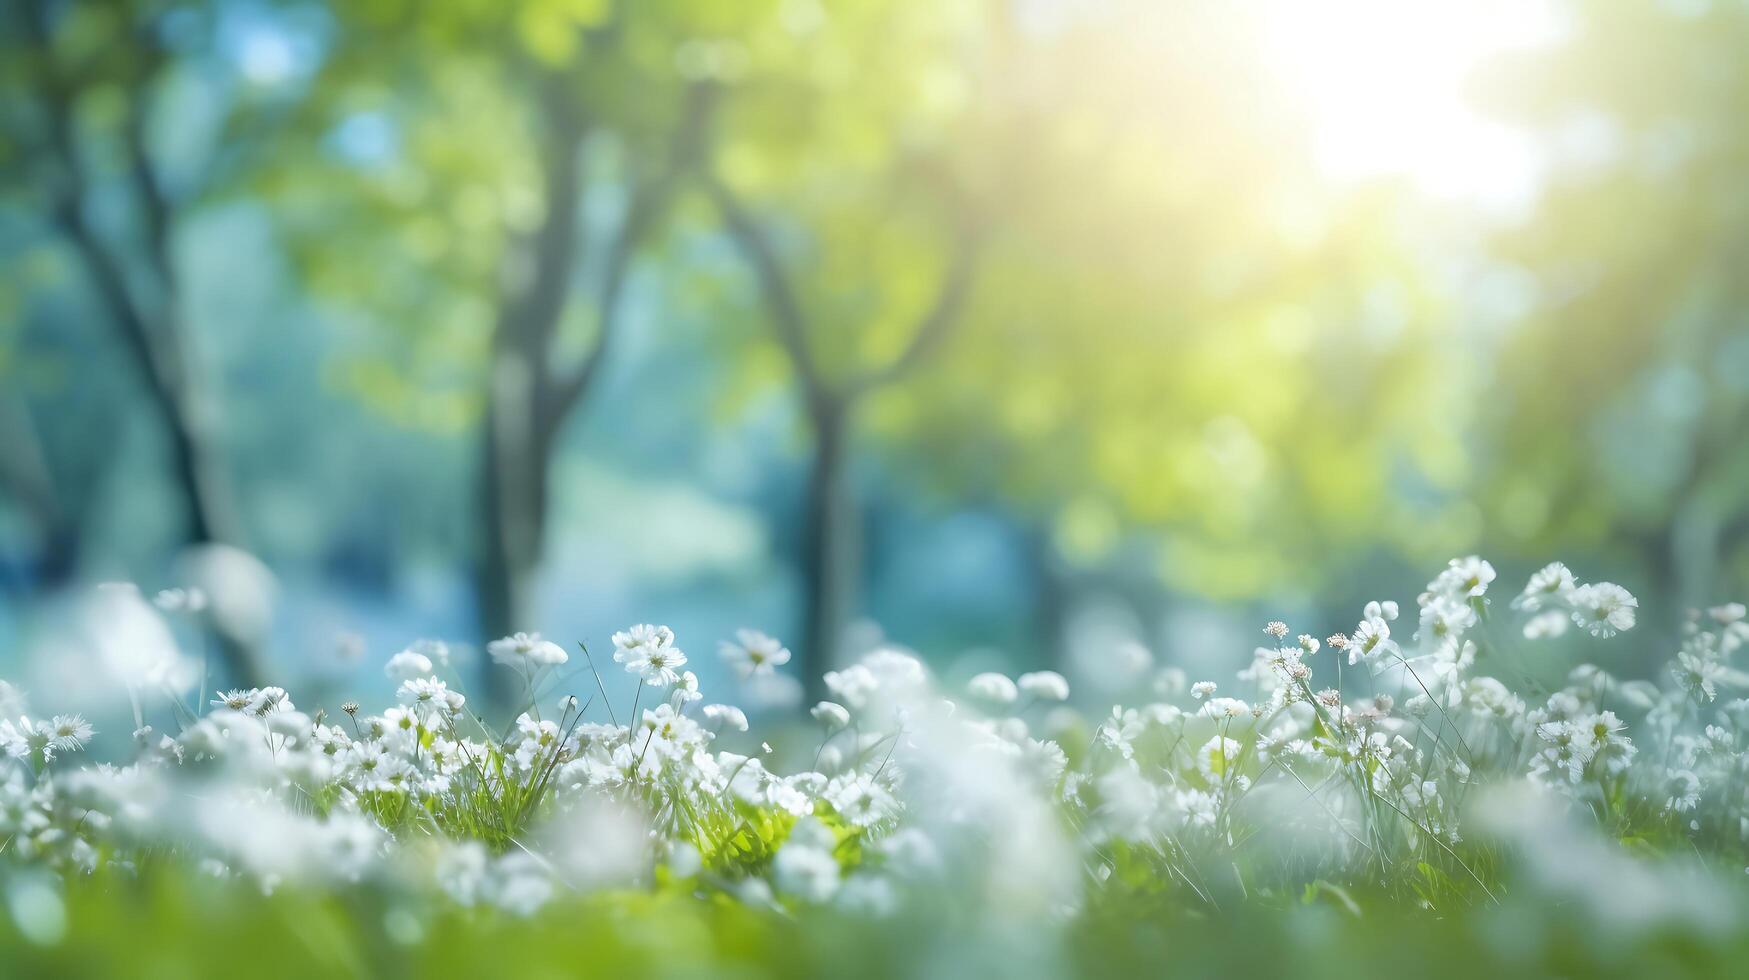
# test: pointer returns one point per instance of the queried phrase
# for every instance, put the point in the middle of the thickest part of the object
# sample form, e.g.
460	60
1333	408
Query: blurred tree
535	155
861	218
1205	364
1620	416
86	85
473	201
25	473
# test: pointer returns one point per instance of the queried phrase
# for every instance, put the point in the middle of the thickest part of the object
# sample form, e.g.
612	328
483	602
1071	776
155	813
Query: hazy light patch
273	49
658	531
265	56
1384	86
365	138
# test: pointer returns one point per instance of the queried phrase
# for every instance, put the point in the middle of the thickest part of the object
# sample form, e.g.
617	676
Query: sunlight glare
1385	86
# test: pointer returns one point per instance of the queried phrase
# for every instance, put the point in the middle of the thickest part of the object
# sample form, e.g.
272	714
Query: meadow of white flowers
1413	754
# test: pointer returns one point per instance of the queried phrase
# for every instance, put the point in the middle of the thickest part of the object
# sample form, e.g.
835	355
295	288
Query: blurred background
1016	331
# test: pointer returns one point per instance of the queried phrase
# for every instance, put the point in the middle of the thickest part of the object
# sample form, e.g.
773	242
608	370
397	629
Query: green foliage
1634	345
167	924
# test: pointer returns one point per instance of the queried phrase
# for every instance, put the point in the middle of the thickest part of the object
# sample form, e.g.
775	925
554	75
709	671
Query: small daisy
726	716
685	689
649	652
1604	609
407	665
994	688
525	649
235	699
1464	578
754	653
427	692
1552	585
1044	685
831	714
1372	637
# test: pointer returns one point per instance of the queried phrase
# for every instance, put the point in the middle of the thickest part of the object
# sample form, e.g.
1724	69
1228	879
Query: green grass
167	924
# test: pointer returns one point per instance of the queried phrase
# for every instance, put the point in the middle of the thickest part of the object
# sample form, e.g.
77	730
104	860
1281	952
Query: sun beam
1385	86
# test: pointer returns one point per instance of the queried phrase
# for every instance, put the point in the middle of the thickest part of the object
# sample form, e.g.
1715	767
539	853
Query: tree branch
649	200
105	270
774	287
150	333
156	354
24	470
533	306
155	208
956	285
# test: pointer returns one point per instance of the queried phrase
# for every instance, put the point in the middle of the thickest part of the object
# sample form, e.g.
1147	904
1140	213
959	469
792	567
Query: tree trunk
513	470
212	517
25	476
198	470
1050	607
831	547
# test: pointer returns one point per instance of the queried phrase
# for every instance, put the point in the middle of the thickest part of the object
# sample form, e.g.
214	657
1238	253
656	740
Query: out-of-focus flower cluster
1344	757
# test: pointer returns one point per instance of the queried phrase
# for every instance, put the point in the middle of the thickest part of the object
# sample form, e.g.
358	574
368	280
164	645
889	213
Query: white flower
44	739
831	714
685	689
649	652
1130	659
526	649
1371	638
1604	608
1727	614
1552	585
1697	675
1443	622
859	799
521	884
268	700
993	687
1571	747
1129	804
1548	623
1121	730
1225	708
372	768
236	699
408	664
726	715
461	871
1044	685
1386	611
427	692
1463	579
256	701
754	653
1202	689
1684	789
805	871
853	685
787	795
